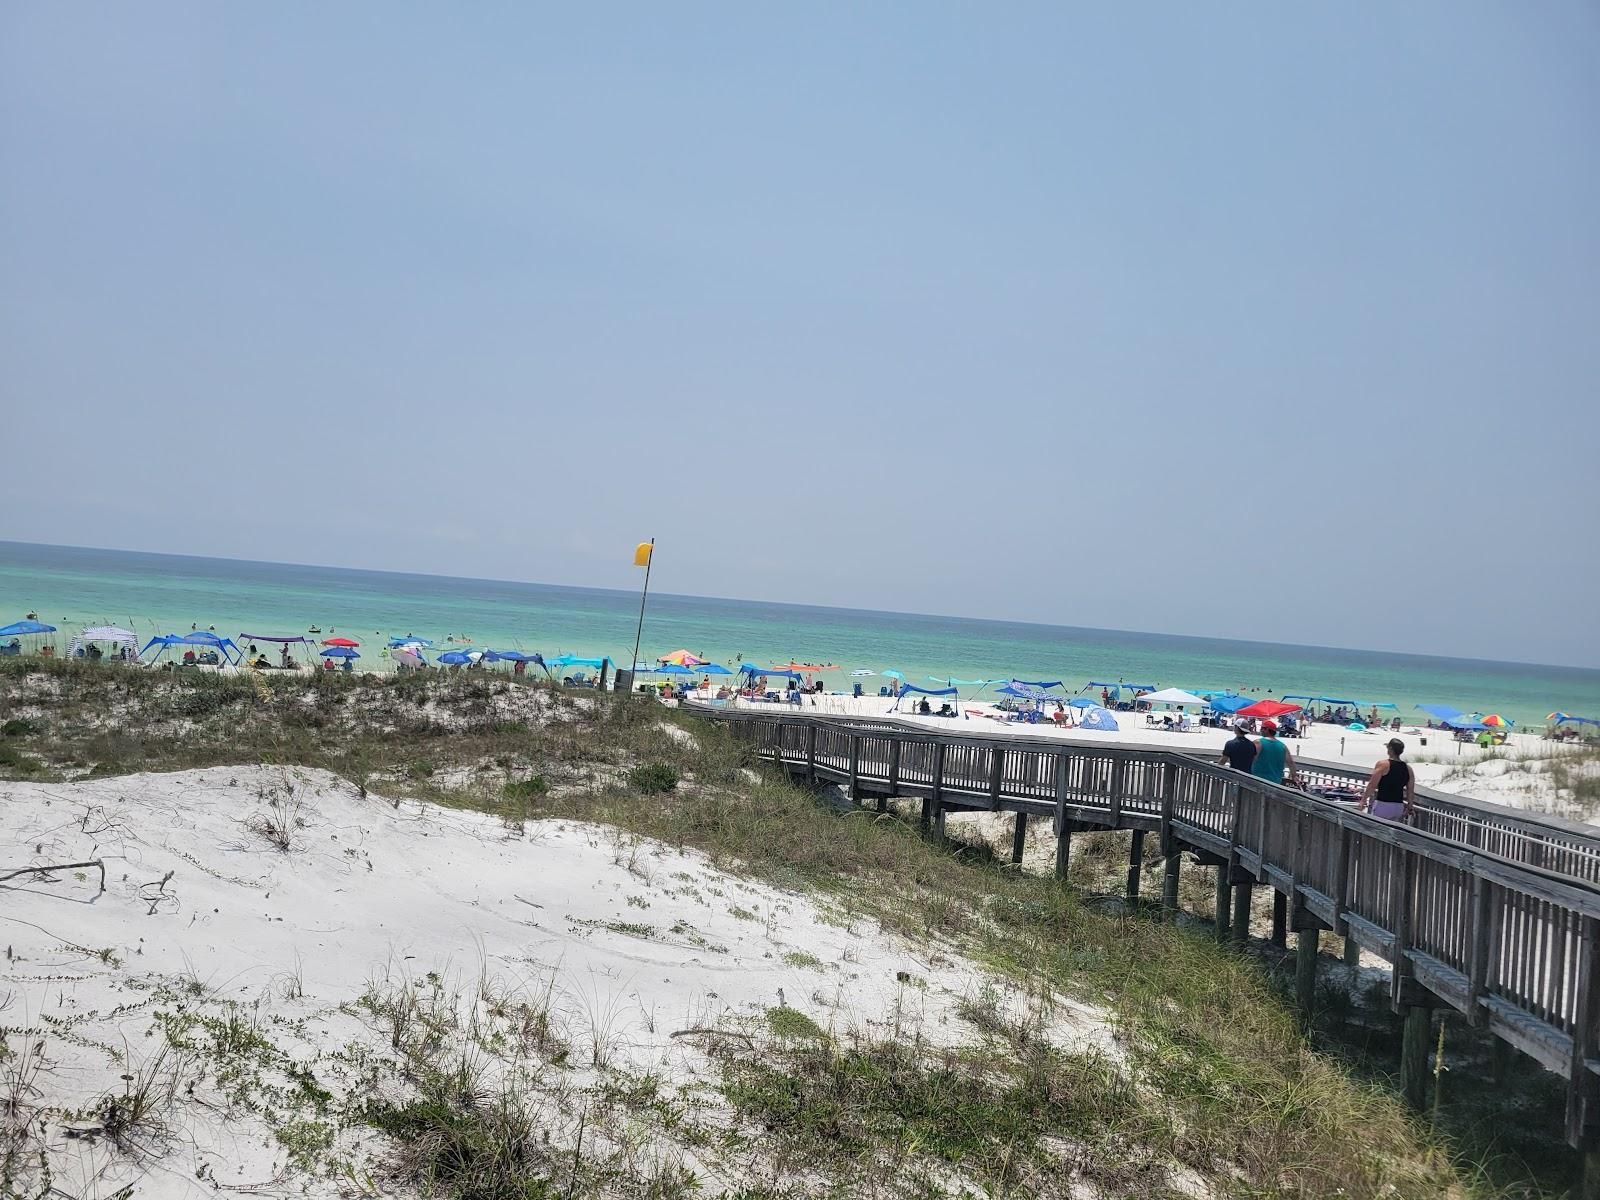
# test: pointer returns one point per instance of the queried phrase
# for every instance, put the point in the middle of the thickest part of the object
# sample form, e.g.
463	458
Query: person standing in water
1391	791
1273	757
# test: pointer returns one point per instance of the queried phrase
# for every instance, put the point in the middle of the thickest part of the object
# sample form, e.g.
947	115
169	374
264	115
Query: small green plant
523	790
653	778
791	1023
18	727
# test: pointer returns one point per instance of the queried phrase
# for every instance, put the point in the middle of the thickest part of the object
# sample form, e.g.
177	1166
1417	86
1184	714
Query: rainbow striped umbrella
1496	721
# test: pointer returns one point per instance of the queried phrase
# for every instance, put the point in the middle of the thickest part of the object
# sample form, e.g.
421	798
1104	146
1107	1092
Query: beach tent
231	654
572	660
511	656
911	688
1459	723
752	670
1267	709
25	628
1229	704
114	634
1023	691
1440	712
1116	689
267	637
1561	718
1098	718
1175	696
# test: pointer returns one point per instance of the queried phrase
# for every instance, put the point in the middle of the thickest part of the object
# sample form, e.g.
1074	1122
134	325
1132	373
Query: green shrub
654	778
18	727
526	789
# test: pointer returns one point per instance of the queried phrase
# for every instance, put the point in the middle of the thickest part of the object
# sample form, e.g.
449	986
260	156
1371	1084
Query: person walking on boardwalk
1392	788
1239	752
1273	757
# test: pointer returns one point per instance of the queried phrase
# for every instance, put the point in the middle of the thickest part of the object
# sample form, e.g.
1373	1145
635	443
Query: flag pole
633	663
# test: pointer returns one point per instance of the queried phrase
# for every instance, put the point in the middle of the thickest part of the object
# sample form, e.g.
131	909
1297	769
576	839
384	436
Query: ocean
160	593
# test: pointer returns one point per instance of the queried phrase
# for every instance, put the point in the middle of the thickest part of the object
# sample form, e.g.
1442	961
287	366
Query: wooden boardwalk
1475	908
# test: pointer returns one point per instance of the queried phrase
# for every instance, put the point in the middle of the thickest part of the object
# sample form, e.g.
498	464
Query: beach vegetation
1212	1085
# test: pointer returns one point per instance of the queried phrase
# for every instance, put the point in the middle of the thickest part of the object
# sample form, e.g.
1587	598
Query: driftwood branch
46	869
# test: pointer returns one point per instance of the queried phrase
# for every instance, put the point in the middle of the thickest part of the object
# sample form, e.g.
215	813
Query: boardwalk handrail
1513	945
1549	842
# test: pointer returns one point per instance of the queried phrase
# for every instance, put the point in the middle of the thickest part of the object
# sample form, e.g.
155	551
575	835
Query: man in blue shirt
1239	752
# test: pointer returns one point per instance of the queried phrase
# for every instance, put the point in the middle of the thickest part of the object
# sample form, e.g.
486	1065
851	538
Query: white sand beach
261	933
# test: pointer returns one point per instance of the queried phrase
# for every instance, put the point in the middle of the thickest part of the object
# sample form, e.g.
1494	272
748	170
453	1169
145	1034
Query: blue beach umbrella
455	658
675	669
712	669
339	652
396	643
1082	702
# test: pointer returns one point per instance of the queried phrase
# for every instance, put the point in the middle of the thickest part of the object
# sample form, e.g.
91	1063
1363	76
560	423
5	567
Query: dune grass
1219	1083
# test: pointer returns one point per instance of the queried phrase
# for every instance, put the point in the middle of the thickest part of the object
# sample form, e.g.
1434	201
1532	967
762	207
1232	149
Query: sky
1244	320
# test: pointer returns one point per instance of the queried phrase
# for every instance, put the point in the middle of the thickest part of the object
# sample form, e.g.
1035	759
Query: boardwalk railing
1456	908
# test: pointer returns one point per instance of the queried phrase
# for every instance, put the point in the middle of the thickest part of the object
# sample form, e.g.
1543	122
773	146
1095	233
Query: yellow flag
641	554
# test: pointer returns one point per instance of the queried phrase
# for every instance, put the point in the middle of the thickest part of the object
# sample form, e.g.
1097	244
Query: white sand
630	940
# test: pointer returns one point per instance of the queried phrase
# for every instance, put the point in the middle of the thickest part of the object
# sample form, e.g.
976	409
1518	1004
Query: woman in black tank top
1391	791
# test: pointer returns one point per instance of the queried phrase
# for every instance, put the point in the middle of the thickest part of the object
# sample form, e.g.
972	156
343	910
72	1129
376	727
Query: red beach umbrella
341	642
1267	709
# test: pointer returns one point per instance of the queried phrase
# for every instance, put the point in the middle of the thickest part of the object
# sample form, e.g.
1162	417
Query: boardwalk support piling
1135	865
1169	882
1222	902
1019	837
1352	952
1305	971
1414	1045
1241	914
1063	852
1280	919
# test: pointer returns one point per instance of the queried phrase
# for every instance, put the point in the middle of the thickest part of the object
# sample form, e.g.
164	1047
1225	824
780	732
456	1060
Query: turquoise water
158	593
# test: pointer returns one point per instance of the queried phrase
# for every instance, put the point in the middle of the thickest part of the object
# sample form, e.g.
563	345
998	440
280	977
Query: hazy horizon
1252	321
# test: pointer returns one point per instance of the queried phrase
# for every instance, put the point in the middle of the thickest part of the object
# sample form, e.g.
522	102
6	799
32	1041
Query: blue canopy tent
1024	690
395	643
1464	724
753	671
1441	712
21	629
1230	704
25	628
230	653
912	689
1082	702
1561	718
455	658
1116	689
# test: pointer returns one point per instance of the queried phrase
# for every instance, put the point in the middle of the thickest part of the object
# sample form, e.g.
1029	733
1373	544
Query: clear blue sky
958	308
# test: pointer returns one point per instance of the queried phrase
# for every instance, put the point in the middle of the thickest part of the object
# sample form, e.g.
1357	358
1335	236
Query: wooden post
1591	1173
811	753
894	775
1222	903
934	806
1341	880
1119	785
1169	882
1400	971
1280	919
1019	837
926	821
997	766
938	823
855	767
1135	865
1241	914
1305	971
1352	952
1478	962
1414	1046
1500	1059
1581	1099
1063	853
1063	834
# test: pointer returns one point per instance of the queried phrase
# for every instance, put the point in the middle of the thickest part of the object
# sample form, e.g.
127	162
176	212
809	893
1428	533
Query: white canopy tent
114	634
1175	696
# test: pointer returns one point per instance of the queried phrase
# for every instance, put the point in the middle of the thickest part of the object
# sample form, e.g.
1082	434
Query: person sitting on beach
1273	757
188	658
327	664
47	651
923	707
260	662
1391	790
